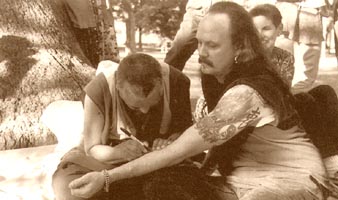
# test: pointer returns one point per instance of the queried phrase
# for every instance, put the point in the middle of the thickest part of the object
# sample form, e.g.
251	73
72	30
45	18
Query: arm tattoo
237	109
209	129
249	118
213	130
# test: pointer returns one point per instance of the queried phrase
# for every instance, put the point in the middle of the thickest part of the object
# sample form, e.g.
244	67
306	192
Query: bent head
226	35
139	82
268	21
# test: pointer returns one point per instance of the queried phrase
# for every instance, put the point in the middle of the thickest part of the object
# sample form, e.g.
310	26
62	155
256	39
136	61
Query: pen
125	131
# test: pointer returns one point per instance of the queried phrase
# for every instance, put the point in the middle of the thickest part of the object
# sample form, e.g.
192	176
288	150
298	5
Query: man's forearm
179	54
190	143
148	163
185	43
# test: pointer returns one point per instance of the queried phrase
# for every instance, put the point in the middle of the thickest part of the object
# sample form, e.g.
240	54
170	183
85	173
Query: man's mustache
205	61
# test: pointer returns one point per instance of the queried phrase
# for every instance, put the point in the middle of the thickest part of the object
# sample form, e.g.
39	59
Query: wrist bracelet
106	180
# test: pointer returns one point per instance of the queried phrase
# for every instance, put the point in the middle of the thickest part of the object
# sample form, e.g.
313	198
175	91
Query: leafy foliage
162	17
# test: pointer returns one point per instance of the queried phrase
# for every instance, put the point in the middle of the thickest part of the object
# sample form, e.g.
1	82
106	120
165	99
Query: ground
25	174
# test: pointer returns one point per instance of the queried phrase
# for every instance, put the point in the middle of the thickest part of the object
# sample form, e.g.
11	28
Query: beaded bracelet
106	179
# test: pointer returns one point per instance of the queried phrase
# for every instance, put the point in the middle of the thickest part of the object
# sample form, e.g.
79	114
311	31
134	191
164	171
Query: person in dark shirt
148	99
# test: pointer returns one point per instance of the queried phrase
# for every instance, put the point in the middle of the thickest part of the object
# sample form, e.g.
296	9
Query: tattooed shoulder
236	110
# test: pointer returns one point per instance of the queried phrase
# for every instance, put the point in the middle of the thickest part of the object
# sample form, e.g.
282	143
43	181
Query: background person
302	21
268	22
333	25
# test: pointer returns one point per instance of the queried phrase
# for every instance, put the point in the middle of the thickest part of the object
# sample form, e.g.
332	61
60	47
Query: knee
325	94
60	182
60	186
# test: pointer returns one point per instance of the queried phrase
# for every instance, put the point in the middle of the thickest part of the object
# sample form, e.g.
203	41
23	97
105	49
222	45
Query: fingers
132	149
160	143
140	148
136	148
77	192
77	183
87	185
173	137
78	187
85	191
156	144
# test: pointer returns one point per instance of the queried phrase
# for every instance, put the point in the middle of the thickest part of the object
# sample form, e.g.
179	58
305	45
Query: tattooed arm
239	107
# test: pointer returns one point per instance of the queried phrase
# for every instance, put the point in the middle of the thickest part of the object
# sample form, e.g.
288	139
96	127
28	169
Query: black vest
258	75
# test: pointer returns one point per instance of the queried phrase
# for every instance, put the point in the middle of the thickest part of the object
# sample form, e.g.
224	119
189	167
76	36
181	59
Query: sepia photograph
169	100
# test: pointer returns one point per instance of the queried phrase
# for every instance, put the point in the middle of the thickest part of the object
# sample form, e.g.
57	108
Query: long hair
141	70
252	60
244	35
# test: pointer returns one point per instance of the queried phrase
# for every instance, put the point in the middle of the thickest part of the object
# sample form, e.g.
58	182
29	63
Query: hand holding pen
125	131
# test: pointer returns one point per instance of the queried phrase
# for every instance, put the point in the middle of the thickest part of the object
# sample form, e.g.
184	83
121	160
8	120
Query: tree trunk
140	46
40	62
130	27
131	32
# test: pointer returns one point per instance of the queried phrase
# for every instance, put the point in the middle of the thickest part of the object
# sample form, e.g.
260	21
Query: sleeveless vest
118	117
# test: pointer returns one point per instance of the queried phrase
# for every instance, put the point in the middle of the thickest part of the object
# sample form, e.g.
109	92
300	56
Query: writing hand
87	185
131	150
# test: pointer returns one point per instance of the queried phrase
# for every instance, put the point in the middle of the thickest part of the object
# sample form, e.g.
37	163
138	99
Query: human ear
119	83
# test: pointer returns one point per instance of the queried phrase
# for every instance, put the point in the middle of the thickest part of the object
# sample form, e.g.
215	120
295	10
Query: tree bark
140	46
40	62
130	27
